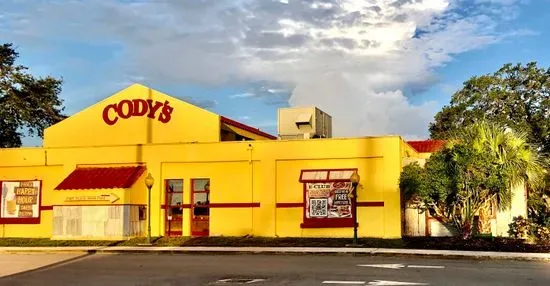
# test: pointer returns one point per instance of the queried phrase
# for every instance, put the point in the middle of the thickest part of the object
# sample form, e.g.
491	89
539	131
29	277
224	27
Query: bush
520	228
542	234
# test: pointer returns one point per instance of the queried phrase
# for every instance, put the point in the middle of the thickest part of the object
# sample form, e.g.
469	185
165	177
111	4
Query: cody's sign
137	107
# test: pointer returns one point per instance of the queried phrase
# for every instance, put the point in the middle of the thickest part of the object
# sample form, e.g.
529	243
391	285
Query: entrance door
174	207
200	210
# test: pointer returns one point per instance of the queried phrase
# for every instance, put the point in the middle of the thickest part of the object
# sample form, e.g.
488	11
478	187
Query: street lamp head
149	180
355	178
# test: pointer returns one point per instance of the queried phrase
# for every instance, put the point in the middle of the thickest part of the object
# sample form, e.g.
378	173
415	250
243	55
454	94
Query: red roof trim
250	129
427	146
102	178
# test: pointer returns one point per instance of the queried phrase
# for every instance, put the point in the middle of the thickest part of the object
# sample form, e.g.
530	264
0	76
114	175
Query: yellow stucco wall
188	123
31	172
263	172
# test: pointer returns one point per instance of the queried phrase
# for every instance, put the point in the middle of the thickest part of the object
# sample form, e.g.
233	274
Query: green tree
478	167
539	205
27	104
517	96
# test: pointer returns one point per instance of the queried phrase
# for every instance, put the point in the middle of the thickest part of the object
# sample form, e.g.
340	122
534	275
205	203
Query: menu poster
328	200
20	199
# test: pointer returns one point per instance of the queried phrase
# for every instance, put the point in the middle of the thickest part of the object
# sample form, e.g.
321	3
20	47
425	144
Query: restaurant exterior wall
145	116
255	185
35	173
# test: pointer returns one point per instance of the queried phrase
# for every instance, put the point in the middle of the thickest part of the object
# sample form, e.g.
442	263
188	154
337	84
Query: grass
38	242
444	243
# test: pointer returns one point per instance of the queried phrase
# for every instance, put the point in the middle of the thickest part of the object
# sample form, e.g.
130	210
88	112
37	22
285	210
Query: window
327	201
20	202
174	207
201	194
174	196
142	215
200	201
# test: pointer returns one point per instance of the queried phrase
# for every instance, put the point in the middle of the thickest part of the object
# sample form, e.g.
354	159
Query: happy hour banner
20	199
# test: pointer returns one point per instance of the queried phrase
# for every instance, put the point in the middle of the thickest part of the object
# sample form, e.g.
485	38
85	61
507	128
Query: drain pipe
251	163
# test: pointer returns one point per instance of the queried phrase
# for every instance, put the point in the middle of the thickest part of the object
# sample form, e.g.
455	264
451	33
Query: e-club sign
137	107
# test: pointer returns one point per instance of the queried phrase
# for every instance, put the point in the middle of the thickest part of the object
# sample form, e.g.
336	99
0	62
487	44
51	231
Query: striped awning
101	178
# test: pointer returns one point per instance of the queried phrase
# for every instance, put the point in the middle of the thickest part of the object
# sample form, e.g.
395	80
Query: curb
48	249
445	254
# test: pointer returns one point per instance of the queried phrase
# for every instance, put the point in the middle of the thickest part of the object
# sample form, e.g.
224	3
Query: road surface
264	270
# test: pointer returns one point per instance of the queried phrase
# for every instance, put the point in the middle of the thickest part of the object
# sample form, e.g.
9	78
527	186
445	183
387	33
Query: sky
378	67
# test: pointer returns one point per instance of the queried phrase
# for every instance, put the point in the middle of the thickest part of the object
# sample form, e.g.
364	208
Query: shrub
520	228
542	234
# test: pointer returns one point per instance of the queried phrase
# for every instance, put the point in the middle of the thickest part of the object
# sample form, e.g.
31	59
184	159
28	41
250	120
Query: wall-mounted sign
110	198
136	108
328	200
20	200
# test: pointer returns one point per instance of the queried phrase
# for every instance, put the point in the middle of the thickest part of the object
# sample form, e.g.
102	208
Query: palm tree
477	169
518	163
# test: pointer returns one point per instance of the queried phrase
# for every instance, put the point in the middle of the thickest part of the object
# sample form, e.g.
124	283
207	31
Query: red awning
102	178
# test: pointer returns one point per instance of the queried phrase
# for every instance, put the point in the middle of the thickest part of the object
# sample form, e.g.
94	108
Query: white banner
20	199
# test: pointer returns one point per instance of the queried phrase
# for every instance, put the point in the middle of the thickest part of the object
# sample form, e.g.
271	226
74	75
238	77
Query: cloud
361	108
203	103
356	59
269	93
243	95
449	89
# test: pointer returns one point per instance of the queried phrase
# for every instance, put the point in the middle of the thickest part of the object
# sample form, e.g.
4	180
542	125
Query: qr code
318	207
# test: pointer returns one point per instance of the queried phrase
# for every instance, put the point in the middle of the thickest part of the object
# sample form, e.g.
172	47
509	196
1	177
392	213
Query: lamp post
355	178
149	181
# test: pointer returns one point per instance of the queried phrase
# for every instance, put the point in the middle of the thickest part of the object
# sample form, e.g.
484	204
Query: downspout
251	163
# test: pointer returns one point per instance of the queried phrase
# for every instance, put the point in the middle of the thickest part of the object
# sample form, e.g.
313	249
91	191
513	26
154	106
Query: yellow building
213	176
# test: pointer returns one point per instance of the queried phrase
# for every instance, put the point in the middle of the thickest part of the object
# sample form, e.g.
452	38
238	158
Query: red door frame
203	219
167	204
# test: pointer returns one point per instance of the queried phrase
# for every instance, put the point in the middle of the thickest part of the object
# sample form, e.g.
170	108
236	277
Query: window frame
203	219
193	191
168	207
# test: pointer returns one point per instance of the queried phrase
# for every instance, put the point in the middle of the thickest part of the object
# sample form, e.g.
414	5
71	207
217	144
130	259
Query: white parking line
345	282
401	266
374	283
426	266
393	283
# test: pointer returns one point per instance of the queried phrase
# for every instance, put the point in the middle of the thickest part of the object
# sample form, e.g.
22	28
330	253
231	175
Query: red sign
137	107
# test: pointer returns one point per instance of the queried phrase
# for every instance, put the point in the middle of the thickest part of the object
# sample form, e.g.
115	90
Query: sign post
355	182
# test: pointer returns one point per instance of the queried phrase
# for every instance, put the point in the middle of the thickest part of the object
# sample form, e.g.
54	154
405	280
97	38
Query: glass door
200	210
174	207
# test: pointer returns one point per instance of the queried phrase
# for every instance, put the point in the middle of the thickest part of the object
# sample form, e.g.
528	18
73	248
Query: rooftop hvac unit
303	123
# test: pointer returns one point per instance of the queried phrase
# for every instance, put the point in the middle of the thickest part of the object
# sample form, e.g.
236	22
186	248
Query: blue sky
378	67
